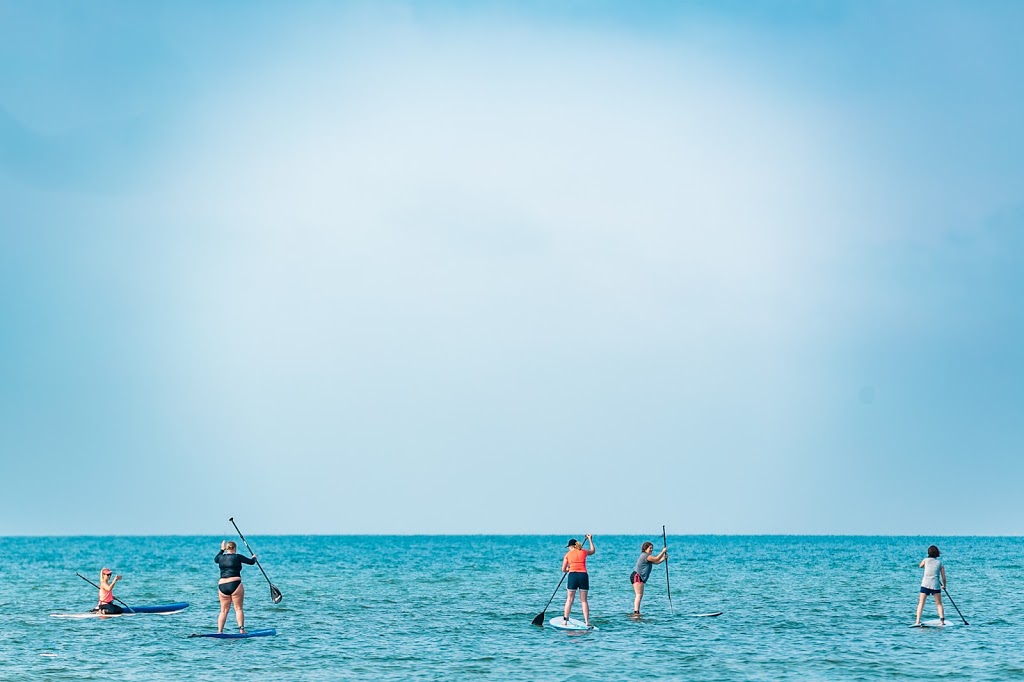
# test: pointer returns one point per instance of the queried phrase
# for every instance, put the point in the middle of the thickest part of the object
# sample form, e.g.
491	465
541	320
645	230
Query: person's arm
246	560
942	572
662	555
565	564
216	559
590	539
921	565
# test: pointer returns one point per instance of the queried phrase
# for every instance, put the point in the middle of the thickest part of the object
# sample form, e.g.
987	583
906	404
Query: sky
407	267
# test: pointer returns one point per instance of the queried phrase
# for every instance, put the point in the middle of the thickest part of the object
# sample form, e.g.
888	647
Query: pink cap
106	570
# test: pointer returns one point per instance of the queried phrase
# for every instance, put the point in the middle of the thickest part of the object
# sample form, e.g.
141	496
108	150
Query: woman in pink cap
106	604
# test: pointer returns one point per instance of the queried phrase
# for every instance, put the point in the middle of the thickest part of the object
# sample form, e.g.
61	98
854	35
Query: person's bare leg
638	587
938	605
570	595
238	598
920	607
225	604
586	607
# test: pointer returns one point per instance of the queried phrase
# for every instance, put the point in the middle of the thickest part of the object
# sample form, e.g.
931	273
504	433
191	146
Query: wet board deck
936	623
572	625
267	632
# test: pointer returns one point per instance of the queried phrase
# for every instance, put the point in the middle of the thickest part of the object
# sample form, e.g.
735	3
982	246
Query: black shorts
110	608
634	578
578	581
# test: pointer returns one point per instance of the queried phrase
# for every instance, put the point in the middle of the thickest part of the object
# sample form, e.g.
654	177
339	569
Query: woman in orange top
106	604
575	563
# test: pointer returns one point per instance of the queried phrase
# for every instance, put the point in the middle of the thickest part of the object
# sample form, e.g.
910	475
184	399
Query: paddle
275	594
668	587
539	619
116	599
954	605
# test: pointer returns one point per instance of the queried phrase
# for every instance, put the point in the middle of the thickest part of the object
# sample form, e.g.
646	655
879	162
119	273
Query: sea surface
460	608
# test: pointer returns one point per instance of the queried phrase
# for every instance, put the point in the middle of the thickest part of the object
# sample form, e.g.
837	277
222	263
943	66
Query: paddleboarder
575	564
229	588
106	603
642	571
933	582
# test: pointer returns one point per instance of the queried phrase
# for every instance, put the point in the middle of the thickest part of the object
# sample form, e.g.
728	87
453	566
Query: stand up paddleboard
706	615
158	609
934	624
572	625
236	635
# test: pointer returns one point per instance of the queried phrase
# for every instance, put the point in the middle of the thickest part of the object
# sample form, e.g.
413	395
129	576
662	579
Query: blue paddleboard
237	635
157	609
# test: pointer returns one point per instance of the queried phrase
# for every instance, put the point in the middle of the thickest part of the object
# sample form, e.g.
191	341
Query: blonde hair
231	545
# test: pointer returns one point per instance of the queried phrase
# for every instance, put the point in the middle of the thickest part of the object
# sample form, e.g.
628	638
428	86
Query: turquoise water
444	608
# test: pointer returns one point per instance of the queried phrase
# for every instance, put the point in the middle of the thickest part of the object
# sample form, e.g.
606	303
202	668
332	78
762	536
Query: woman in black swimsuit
229	587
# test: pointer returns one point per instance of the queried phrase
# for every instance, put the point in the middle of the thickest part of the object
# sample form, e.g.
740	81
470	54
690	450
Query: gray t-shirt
643	566
931	578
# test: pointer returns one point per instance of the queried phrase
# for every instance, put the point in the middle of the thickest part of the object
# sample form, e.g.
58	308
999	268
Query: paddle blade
539	620
275	595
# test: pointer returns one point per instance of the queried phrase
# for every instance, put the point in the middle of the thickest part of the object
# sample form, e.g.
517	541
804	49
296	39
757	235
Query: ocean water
459	608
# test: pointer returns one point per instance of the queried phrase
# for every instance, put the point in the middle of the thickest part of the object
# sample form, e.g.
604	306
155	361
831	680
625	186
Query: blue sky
446	267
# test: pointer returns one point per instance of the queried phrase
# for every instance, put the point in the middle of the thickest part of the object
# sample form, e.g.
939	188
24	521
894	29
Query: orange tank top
577	560
106	596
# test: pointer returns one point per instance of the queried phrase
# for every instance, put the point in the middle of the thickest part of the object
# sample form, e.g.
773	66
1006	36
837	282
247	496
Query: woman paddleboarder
106	603
575	564
642	572
933	582
229	588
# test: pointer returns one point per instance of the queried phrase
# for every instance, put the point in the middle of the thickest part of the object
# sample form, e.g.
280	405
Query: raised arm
590	539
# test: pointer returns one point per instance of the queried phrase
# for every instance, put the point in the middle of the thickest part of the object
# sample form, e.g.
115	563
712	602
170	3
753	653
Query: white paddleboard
89	615
573	625
934	624
706	615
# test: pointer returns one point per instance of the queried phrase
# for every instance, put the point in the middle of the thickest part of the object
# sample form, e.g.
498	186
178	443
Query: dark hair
933	551
643	547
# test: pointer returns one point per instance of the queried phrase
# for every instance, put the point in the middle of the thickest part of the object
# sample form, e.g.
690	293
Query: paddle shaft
955	606
539	618
116	599
232	520
668	586
554	593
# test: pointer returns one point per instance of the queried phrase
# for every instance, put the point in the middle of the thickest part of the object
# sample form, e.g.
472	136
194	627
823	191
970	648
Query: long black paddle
954	605
539	619
116	599
275	594
668	587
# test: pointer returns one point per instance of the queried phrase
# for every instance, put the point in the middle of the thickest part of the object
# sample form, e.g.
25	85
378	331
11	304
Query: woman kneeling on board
933	583
575	563
106	603
642	572
229	587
